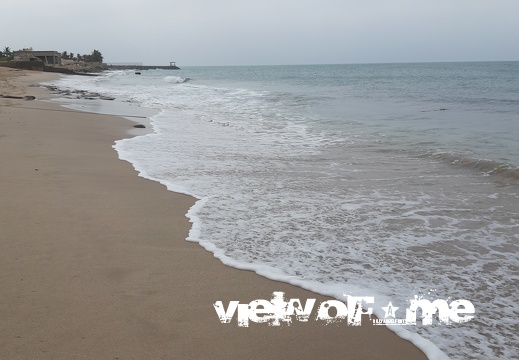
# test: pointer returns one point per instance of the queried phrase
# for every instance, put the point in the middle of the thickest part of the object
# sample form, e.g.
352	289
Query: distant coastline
88	69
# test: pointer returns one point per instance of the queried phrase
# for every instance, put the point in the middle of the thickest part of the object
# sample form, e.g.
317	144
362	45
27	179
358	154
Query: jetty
138	66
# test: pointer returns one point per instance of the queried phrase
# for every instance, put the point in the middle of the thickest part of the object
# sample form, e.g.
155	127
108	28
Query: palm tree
6	54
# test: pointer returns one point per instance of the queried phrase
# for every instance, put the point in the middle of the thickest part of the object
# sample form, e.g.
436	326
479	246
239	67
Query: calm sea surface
380	180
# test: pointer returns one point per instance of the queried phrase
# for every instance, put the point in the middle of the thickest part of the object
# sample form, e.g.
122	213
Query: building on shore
48	57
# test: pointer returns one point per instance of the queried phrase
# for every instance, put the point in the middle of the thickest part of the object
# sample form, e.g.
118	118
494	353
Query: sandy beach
94	263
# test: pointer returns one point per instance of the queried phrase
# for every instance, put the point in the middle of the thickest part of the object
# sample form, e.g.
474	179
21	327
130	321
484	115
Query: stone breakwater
86	69
141	67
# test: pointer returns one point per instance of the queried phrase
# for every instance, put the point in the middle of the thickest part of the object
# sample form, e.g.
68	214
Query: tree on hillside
67	56
97	56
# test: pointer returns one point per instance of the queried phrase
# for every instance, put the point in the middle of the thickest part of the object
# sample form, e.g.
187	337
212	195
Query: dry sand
94	265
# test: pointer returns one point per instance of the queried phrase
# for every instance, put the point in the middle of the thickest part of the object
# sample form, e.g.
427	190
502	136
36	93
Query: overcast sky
267	32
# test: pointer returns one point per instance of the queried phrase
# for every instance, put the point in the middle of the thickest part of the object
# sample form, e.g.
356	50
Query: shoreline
97	264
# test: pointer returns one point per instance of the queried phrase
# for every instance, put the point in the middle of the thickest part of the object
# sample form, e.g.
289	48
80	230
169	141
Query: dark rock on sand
27	97
77	94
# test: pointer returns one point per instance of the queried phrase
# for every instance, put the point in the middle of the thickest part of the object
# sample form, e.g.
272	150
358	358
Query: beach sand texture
94	262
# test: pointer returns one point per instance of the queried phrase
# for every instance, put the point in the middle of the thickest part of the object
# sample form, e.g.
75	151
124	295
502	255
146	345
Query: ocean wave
489	167
175	79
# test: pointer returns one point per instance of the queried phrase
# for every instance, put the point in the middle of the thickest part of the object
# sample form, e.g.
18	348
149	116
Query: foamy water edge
430	349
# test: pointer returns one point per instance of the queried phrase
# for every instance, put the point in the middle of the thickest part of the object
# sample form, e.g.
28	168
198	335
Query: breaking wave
175	79
489	167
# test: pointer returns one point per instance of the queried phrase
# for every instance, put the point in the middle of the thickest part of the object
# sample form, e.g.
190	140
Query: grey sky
232	32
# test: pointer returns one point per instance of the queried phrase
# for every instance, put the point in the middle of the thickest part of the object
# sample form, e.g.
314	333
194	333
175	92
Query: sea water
384	180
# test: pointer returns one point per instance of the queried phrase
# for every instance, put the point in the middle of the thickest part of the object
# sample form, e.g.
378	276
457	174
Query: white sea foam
335	210
175	79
